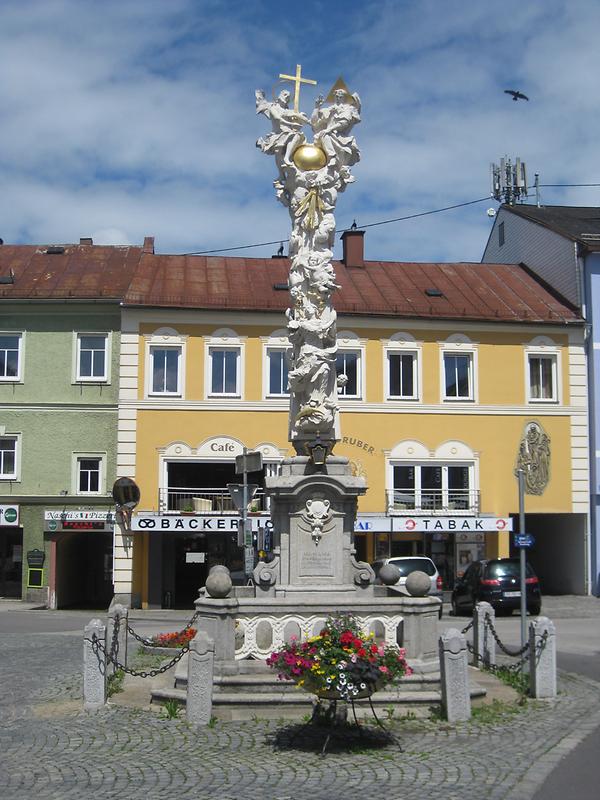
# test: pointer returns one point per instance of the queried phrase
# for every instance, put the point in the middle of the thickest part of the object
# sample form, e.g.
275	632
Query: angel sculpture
287	125
332	126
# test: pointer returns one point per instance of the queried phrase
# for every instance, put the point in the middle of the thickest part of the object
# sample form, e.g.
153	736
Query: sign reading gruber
9	515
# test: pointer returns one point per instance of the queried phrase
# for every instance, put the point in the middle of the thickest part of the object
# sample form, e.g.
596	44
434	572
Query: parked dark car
498	582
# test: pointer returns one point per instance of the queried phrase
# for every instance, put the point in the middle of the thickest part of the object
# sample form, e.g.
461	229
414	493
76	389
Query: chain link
150	642
98	647
509	652
467	628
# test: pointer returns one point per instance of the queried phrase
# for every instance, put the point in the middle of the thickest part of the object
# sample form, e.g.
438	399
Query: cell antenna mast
509	181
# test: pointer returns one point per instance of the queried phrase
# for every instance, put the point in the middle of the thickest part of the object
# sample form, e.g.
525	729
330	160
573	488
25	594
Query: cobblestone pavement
50	748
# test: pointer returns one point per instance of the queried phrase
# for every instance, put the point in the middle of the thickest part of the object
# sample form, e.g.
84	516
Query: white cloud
130	118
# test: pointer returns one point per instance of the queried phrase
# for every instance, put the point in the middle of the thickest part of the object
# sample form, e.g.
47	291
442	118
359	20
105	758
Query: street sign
250	461
236	490
524	539
248	560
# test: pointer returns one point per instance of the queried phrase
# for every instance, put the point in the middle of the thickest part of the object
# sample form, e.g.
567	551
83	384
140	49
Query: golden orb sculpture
309	157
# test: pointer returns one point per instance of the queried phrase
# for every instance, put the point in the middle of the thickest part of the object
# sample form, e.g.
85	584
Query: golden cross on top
297	79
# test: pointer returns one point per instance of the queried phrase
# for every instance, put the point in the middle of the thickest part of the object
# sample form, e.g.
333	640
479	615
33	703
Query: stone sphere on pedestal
389	574
309	157
219	583
418	583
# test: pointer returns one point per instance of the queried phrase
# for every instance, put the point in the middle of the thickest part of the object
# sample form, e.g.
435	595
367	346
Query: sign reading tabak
453	524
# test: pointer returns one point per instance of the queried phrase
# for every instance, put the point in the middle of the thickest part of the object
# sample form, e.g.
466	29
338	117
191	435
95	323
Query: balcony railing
432	501
206	501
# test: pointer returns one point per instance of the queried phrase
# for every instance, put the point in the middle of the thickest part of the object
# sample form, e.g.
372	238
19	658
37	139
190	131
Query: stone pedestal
313	511
456	699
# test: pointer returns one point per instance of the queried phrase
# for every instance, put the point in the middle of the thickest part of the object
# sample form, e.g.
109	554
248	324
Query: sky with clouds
123	118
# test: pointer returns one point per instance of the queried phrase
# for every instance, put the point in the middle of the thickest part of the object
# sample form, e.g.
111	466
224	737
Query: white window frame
16	474
18	378
544	347
349	342
165	339
420	492
224	339
402	344
277	342
77	376
75	472
459	345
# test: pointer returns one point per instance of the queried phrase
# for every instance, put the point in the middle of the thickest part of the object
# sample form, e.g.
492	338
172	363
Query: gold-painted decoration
312	207
534	458
297	79
309	157
340	84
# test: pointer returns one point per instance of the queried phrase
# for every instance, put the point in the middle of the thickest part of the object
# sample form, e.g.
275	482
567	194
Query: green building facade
59	367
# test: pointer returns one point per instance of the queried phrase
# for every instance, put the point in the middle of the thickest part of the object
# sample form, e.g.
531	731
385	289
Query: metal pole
522	550
245	510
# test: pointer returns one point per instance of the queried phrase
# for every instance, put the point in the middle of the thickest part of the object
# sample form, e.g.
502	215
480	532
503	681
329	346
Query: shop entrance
186	562
11	562
84	570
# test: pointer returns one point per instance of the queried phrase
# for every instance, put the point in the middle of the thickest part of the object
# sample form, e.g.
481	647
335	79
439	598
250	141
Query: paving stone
51	750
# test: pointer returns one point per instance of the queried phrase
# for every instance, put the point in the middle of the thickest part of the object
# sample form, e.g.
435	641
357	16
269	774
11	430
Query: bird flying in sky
516	95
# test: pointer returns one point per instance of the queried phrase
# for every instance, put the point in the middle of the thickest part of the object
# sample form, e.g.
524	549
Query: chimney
148	245
354	248
87	240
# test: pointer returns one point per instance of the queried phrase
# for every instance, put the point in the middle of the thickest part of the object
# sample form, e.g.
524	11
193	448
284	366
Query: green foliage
114	683
494	712
171	709
517	680
212	722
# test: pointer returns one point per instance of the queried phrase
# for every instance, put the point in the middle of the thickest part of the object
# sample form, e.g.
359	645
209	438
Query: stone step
295	705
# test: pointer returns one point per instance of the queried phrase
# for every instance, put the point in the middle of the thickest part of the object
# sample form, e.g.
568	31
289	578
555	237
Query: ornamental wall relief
534	458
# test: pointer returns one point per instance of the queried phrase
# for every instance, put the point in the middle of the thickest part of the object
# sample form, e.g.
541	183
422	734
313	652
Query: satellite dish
491	212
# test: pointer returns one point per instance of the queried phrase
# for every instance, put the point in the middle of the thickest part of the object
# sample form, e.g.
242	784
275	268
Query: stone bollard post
454	670
117	615
484	644
94	665
542	658
200	679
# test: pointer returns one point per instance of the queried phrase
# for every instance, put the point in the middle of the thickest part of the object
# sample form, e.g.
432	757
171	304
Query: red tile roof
80	272
469	291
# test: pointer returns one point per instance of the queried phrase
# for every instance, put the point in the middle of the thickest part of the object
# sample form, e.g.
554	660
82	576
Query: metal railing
432	501
206	500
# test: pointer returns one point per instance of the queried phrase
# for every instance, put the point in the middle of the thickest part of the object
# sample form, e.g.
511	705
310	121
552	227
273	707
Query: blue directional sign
524	539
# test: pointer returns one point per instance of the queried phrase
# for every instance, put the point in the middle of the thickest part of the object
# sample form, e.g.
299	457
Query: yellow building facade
433	415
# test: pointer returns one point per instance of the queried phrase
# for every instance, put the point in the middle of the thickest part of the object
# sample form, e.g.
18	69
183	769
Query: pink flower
383	669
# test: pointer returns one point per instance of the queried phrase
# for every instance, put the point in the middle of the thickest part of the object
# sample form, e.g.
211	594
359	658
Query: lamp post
522	560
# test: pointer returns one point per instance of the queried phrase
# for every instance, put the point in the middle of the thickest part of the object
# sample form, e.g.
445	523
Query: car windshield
408	565
507	569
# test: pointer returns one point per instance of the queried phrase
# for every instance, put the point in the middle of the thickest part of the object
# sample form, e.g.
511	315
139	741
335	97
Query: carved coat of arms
534	458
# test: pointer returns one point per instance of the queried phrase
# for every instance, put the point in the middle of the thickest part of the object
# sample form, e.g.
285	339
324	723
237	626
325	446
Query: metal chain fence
112	654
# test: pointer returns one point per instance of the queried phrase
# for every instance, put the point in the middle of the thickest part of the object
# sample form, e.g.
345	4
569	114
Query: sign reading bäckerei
198	524
229	524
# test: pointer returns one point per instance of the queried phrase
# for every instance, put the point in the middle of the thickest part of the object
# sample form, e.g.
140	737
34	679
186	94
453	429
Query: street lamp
126	495
318	449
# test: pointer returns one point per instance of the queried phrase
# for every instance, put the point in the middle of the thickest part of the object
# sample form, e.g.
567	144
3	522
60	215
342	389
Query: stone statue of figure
309	181
287	125
332	125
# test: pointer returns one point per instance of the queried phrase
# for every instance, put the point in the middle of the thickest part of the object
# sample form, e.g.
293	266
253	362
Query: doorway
11	562
84	570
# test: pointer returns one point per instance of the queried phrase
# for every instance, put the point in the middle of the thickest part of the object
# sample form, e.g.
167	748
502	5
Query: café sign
93	516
